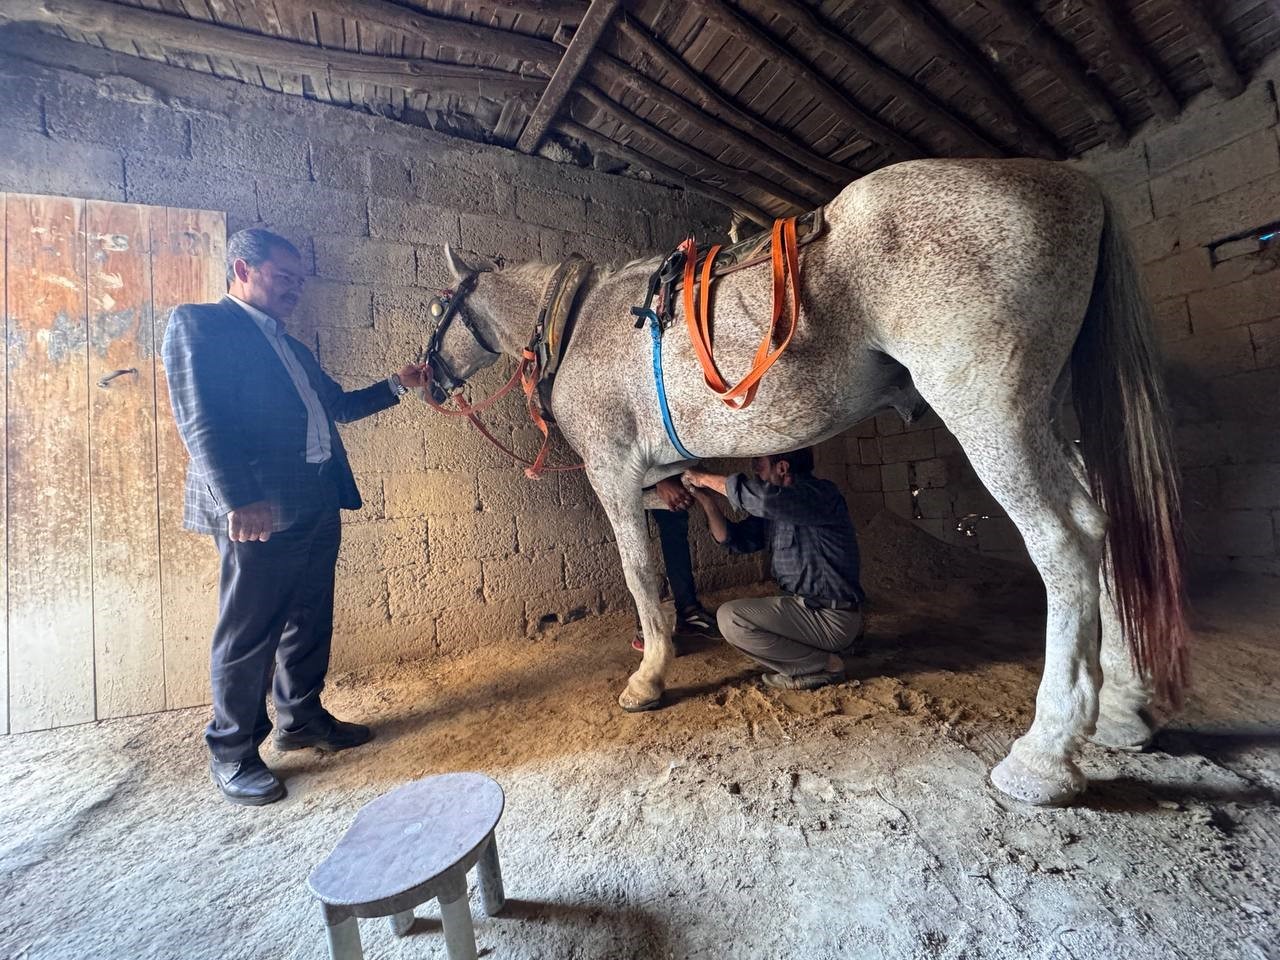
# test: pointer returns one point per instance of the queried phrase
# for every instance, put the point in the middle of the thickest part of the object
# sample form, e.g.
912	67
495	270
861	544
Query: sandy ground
736	823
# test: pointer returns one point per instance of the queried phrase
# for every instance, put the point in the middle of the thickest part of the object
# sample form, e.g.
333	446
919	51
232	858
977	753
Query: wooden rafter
656	134
566	11
799	72
1133	59
599	143
612	70
942	41
197	36
718	105
835	48
571	64
1210	48
1054	53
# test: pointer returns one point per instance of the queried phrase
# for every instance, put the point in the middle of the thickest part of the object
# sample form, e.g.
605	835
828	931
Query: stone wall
1183	188
454	546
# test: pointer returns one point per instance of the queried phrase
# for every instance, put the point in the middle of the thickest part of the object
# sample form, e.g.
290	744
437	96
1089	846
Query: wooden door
105	594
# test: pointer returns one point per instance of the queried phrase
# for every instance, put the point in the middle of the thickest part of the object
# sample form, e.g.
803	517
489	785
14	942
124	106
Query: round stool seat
407	838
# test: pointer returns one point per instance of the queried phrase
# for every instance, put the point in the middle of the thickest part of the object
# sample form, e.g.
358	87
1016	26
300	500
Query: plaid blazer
244	424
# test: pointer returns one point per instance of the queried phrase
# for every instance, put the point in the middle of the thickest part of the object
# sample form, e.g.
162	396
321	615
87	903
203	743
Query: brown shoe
803	681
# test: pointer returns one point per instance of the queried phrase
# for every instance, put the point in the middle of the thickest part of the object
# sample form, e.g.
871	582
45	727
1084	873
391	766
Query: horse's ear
457	266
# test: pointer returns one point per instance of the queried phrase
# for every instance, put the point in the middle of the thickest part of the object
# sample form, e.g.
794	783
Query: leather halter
444	308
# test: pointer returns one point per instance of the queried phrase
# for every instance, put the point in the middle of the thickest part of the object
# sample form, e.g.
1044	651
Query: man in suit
267	477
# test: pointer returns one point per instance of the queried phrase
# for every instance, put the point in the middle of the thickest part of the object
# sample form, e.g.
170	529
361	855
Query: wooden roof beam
599	143
718	105
842	51
566	11
613	70
941	40
1053	52
571	64
738	26
198	36
1133	59
652	132
1210	48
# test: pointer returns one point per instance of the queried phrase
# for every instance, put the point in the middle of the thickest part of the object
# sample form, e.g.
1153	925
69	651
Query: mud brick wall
1183	188
454	546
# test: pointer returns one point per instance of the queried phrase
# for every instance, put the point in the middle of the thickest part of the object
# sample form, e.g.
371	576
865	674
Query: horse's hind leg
1019	457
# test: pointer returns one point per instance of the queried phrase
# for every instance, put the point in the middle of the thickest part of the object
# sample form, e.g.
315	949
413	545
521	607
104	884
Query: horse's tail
1127	445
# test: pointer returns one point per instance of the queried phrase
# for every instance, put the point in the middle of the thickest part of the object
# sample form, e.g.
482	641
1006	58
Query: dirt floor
856	821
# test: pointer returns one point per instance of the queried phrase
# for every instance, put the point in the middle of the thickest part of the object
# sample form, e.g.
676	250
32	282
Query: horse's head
466	338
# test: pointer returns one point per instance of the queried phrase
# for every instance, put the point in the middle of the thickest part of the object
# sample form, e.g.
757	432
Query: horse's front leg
623	504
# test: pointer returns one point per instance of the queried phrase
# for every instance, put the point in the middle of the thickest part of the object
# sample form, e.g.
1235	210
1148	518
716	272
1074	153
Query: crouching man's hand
250	522
673	494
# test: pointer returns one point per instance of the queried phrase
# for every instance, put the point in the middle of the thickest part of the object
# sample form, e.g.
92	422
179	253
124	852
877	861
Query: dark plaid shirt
808	529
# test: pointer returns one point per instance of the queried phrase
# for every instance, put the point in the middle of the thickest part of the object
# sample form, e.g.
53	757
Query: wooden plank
188	248
1210	47
4	485
128	645
50	587
575	58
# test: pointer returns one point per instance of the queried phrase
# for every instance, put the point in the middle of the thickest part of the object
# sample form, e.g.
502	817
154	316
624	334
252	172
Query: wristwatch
398	388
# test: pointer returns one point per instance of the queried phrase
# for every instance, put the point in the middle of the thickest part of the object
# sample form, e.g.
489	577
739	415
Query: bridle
444	308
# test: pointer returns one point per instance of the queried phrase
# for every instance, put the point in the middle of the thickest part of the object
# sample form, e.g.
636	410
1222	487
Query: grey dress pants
786	635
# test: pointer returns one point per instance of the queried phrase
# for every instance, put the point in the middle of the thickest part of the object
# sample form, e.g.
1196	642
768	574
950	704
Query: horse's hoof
1051	783
1129	732
639	706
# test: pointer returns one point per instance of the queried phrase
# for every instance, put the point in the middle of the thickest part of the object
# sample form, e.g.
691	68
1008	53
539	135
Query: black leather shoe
247	782
324	733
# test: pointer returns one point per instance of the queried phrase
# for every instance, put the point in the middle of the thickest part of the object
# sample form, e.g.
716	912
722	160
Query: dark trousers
275	604
673	534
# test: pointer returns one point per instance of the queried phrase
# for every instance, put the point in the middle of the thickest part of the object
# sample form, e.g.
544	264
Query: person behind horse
267	477
693	621
805	522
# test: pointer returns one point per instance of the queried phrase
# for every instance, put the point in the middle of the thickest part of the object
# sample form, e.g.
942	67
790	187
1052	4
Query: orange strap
786	265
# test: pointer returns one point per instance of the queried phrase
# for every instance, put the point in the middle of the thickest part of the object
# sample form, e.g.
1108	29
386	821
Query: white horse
978	285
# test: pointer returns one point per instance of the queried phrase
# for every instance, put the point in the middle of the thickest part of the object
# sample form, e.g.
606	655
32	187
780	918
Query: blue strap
655	331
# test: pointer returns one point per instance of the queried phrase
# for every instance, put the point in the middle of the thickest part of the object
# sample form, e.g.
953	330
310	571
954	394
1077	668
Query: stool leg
490	875
401	922
344	934
455	912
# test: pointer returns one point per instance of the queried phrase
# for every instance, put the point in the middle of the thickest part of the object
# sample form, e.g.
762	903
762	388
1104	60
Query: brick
894	476
1203	129
389	176
1251	485
863	479
889	424
32	163
22	106
1231	533
1172	319
1118	169
869	450
418	223
1156	240
558	526
907	446
383	545
560	606
931	473
1226	168
500	240
900	502
515	577
333	304
1266	343
945	443
444	190
1243	395
234	143
393	446
362	260
934	503
1201	490
89	118
550	209
453	444
471	536
462	629
183	183
593	566
1253	299
1184	272
374	502
429	492
433	270
340	165
1215	353
507	490
607	220
1264	566
418	592
404	308
1252	205
864	506
362	354
976	502
360	602
314	206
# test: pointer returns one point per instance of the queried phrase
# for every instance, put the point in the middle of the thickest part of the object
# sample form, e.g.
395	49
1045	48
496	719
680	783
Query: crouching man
806	524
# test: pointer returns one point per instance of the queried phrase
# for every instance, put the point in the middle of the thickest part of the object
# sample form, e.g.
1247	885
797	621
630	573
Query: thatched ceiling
767	105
